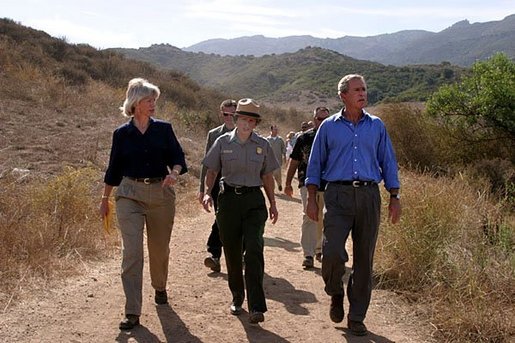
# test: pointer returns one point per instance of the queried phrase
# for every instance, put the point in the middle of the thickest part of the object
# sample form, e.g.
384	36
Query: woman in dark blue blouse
146	159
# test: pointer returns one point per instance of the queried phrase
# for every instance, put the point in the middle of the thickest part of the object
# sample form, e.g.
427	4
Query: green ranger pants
241	219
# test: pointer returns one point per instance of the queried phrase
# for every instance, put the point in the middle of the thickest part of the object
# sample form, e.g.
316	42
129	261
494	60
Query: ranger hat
248	107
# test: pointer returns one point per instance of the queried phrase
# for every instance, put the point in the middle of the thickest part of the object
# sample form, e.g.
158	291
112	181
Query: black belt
146	180
355	183
239	189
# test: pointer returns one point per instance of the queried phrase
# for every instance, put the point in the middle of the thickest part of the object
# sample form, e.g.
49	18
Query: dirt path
88	308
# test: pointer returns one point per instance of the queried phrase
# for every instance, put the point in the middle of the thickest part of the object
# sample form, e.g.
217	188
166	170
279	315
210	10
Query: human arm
312	206
104	204
207	201
394	207
292	167
203	168
268	185
390	174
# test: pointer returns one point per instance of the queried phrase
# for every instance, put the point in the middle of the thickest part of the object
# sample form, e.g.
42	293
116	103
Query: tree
483	104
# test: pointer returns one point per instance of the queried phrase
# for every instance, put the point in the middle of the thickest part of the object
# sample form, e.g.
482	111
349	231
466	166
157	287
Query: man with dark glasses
214	245
311	232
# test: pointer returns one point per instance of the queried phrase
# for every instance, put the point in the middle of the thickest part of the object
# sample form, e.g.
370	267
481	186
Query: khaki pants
311	231
139	205
278	177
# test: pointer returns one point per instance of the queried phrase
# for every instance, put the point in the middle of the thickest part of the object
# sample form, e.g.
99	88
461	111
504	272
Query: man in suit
214	245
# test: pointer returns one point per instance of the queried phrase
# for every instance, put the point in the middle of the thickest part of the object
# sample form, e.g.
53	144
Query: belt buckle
236	190
146	181
355	184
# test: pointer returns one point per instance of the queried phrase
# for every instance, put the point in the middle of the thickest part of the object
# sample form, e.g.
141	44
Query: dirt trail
88	308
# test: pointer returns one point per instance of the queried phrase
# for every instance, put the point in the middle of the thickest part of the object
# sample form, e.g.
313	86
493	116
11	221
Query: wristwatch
396	196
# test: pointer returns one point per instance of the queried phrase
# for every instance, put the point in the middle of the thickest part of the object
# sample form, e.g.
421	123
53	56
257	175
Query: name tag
226	151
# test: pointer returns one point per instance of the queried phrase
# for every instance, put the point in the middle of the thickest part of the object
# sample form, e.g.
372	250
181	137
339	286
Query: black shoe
256	317
308	262
280	188
357	328
161	297
336	310
212	263
129	322
235	309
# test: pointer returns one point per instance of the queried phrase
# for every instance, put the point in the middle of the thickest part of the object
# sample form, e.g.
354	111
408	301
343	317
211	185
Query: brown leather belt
146	180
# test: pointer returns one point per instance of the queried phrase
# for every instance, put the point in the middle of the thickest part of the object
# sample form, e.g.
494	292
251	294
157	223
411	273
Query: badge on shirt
259	150
226	151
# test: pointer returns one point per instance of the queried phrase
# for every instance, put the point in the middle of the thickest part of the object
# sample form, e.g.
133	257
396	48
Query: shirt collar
340	116
253	136
133	128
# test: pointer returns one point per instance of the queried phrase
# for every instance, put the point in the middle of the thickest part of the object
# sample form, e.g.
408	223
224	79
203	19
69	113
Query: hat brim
249	114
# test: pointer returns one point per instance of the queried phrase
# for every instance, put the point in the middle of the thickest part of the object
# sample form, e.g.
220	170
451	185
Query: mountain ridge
462	44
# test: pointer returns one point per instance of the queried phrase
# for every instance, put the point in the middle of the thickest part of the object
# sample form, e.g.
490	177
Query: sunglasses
226	114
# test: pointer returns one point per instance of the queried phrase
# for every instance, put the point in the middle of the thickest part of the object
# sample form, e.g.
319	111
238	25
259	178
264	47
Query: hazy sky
132	24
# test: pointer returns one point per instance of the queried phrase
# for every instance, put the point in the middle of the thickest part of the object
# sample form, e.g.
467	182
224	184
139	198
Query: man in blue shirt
353	153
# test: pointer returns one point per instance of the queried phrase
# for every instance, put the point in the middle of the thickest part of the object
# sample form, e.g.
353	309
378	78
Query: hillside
307	76
462	44
59	102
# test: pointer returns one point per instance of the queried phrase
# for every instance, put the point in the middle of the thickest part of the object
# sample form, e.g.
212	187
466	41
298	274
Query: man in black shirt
311	234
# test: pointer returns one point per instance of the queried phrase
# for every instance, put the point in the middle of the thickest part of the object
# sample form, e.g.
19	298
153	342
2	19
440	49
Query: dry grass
454	252
48	226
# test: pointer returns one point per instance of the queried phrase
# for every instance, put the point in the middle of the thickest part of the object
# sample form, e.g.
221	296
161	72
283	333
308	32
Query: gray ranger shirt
241	164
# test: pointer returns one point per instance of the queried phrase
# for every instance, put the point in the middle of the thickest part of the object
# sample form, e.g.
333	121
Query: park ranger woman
246	162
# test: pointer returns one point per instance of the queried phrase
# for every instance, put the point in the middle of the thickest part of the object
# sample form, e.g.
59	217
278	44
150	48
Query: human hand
273	213
288	190
207	202
394	210
104	207
200	197
312	209
170	180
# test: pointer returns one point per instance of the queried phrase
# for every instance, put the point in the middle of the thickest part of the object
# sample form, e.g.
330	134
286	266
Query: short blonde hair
343	85
137	90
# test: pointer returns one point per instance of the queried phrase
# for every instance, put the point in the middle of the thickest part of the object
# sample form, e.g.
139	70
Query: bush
48	223
453	250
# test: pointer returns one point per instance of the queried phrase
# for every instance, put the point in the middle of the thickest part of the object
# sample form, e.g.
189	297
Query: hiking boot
256	317
129	322
161	297
357	328
308	262
212	263
336	312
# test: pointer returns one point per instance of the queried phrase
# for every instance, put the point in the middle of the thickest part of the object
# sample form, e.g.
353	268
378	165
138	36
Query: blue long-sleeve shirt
343	151
140	155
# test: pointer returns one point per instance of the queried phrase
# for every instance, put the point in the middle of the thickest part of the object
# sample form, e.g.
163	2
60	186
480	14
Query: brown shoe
256	317
213	263
129	322
336	312
357	328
